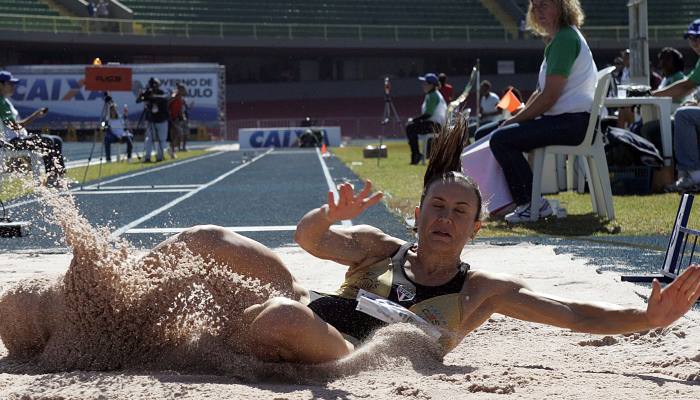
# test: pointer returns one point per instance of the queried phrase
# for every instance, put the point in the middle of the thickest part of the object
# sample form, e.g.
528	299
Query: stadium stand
661	12
33	8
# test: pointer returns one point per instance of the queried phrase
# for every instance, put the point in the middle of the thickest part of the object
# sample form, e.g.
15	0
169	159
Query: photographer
115	132
17	137
156	114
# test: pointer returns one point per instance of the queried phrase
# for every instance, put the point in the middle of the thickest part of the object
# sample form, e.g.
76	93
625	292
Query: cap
430	78
693	29
6	76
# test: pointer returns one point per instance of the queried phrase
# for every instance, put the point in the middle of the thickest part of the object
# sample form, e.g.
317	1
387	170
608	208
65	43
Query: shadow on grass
572	225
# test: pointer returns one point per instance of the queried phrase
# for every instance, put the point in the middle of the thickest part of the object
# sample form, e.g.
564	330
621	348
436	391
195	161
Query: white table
658	108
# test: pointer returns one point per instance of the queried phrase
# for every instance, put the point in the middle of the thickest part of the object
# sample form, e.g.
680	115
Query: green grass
13	188
402	185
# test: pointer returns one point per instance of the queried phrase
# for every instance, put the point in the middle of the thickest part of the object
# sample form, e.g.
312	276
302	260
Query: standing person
687	121
17	137
178	119
558	111
432	118
91	8
156	118
446	90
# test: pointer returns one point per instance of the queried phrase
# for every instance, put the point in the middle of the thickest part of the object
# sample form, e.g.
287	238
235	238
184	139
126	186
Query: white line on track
142	172
329	181
132	191
186	196
148	170
167	231
137	187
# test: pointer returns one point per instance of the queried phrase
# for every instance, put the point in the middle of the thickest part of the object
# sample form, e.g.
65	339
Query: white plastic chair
591	152
7	154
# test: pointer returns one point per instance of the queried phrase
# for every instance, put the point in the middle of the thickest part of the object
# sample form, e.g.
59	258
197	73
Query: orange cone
324	150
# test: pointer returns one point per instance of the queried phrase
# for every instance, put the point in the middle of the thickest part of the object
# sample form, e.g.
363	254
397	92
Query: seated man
687	121
432	119
115	132
50	146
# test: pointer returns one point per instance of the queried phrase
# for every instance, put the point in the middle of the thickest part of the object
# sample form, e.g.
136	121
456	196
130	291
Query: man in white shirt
489	111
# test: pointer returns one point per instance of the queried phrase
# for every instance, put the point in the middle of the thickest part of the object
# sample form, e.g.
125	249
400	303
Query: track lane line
329	181
184	197
142	172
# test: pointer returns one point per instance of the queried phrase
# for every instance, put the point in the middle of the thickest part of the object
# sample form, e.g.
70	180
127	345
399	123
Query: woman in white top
557	113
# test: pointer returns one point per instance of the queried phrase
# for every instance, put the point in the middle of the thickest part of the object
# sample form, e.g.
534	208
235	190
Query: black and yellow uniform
439	305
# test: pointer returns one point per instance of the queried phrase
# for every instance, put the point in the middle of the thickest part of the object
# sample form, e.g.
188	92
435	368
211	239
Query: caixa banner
253	138
61	88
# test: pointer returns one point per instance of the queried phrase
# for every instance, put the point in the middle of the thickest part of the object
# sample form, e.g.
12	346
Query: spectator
17	137
103	9
486	129
522	27
446	90
687	121
619	67
671	64
558	111
91	8
178	119
432	118
488	107
115	132
625	73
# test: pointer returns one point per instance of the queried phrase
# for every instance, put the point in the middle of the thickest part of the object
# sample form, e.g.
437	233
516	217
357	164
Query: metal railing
291	31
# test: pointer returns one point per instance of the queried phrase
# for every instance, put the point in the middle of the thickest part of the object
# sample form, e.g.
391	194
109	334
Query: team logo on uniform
405	293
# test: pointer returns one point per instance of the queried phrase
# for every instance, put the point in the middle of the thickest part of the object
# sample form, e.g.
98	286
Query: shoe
416	159
522	213
685	183
147	160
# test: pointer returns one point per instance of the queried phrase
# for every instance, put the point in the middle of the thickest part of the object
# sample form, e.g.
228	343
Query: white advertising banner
253	138
60	88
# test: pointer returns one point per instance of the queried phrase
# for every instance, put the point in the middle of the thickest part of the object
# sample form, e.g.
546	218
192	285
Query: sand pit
503	359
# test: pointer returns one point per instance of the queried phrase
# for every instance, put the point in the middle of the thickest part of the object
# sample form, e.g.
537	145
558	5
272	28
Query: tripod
389	108
104	115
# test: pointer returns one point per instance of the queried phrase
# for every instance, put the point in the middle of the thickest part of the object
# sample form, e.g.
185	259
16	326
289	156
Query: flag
509	102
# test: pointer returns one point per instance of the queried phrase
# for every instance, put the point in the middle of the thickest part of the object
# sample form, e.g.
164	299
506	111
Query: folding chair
592	153
677	248
7	154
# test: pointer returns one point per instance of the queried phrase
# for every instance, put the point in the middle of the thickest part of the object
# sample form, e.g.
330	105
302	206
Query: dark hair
445	164
442	78
678	63
515	91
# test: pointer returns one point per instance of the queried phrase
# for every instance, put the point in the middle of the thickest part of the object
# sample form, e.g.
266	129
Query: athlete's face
448	215
7	89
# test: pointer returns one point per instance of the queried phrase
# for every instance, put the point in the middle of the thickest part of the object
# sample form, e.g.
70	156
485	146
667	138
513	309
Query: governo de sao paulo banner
61	89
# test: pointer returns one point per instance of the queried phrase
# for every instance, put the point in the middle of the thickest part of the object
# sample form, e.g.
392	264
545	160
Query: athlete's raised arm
347	245
663	308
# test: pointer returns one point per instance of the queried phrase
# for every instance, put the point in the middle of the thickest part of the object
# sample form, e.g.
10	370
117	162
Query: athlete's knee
200	236
279	318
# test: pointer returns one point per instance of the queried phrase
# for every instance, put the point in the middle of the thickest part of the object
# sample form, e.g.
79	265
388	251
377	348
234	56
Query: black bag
626	149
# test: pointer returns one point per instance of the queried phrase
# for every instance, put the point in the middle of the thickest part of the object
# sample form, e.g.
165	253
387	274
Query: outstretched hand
668	304
350	206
